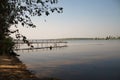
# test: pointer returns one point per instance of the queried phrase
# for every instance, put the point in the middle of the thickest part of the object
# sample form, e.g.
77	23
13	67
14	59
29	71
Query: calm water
81	60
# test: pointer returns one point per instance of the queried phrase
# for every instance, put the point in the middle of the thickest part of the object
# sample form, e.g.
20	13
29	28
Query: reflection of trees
11	68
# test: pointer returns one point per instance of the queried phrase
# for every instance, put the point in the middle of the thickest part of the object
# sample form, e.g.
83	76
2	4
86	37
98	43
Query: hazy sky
81	18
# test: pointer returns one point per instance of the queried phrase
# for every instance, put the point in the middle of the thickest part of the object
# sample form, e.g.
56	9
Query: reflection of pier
41	44
11	68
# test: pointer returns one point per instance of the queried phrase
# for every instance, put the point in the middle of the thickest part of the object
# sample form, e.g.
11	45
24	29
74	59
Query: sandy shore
11	68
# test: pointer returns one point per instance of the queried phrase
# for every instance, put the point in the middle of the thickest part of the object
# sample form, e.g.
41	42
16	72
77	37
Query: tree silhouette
13	12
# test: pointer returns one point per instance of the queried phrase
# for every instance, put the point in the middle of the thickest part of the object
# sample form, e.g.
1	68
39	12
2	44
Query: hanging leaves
13	12
47	13
22	8
22	24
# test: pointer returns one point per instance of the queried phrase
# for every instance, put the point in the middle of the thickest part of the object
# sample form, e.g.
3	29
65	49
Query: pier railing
41	44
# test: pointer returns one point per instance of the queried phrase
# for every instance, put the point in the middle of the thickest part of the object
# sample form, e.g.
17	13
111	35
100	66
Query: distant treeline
77	38
97	38
108	38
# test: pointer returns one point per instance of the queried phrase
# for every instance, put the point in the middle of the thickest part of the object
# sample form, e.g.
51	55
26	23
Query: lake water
81	60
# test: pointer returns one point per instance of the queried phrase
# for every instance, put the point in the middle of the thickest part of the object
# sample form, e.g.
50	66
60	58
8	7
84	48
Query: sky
80	19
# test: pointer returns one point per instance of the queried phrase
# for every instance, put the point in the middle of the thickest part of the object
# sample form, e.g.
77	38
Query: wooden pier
40	44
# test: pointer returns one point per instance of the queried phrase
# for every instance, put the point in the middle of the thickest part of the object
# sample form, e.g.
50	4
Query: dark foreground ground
11	68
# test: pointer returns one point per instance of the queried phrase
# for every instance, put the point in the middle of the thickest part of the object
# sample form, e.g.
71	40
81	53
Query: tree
13	12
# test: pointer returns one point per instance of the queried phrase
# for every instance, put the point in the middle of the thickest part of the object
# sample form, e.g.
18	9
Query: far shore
89	38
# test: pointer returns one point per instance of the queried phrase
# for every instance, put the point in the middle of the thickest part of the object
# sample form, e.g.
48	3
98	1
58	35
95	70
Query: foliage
21	9
13	12
6	45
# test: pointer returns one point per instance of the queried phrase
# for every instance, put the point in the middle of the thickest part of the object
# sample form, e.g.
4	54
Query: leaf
16	22
39	14
30	24
22	24
47	1
54	1
47	13
26	16
38	1
61	8
52	10
33	26
24	38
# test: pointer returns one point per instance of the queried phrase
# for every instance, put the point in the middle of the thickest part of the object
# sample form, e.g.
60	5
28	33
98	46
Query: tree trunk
6	42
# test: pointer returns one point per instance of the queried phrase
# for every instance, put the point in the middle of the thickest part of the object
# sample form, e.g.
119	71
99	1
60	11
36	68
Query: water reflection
83	60
11	68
